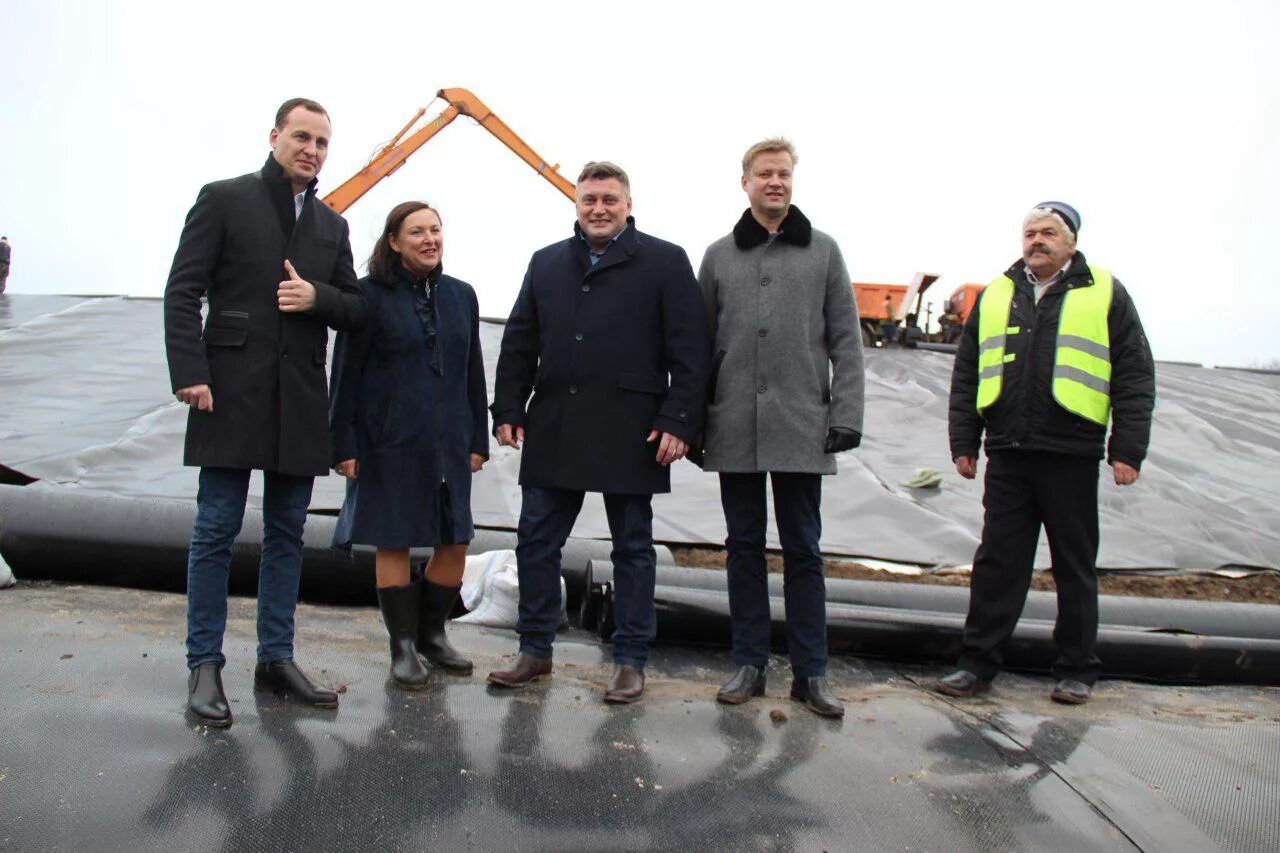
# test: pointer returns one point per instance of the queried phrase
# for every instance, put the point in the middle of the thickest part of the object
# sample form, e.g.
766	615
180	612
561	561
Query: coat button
762	389
578	336
586	288
764	282
573	389
683	413
763	332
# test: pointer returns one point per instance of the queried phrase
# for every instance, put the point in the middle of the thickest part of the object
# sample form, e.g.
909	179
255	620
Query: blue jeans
546	520
797	502
219	514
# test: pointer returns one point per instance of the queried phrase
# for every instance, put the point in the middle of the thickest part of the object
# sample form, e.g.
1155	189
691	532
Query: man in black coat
5	253
1053	351
275	264
609	336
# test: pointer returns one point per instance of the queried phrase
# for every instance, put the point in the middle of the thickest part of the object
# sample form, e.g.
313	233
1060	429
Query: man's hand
967	466
1125	474
294	294
477	462
200	396
670	448
349	468
509	435
840	439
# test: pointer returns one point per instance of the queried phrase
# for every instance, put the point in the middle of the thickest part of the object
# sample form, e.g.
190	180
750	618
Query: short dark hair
282	114
600	170
384	259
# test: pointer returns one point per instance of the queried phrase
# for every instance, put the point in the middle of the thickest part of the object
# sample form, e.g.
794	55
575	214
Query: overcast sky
925	132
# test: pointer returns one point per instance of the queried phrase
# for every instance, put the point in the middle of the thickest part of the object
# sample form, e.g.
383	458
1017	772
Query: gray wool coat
787	354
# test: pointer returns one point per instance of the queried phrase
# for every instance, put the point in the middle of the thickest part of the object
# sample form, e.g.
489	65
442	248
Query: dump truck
956	311
905	301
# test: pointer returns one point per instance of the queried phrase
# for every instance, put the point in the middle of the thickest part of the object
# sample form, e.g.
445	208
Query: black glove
840	439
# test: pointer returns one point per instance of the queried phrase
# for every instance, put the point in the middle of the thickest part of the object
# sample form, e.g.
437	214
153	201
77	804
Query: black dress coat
411	426
266	368
609	353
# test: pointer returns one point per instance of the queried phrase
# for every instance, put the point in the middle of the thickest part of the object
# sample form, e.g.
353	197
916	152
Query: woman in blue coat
408	424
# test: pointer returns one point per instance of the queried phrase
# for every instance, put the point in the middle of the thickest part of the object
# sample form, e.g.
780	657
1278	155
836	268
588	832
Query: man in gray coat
785	395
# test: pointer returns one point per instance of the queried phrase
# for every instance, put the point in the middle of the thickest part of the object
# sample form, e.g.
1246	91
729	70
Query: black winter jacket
1026	417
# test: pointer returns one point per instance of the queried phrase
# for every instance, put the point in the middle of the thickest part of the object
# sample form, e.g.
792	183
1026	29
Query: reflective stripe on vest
1082	362
993	323
1082	356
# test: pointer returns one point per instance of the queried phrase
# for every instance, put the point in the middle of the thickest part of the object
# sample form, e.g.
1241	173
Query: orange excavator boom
394	154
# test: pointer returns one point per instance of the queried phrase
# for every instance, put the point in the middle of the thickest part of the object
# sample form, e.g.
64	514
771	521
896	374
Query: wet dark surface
95	752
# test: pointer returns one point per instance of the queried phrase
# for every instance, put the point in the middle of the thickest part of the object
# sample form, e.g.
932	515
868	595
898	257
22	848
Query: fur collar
796	230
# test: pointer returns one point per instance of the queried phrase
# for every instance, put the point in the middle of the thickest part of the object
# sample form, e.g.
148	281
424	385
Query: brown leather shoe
526	670
626	685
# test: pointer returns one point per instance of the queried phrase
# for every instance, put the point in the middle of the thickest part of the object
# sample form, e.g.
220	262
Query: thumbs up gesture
295	294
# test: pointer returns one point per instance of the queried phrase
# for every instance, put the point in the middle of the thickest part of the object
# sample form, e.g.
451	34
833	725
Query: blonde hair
764	146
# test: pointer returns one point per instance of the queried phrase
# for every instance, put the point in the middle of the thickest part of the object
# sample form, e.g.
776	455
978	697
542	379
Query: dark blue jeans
546	520
219	514
797	500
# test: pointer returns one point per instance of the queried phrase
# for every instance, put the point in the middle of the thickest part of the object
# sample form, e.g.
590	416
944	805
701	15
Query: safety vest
1082	356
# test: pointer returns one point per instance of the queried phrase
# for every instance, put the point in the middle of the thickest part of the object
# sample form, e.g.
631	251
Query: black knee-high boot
400	611
433	645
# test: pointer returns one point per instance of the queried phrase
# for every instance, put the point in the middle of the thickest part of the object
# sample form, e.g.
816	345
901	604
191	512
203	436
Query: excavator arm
394	154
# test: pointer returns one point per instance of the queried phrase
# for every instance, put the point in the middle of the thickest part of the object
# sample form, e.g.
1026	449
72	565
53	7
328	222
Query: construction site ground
97	752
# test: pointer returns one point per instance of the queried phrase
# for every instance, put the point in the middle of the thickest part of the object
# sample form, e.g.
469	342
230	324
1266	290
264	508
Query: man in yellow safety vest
1053	352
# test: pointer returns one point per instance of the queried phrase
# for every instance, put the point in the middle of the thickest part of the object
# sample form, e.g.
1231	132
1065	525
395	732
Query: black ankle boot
433	645
400	611
205	696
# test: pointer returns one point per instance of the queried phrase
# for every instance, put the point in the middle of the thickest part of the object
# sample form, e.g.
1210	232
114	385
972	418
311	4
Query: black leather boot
205	697
433	645
816	695
284	678
400	611
748	681
961	683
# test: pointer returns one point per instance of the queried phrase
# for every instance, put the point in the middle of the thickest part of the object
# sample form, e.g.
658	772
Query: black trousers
797	502
1024	490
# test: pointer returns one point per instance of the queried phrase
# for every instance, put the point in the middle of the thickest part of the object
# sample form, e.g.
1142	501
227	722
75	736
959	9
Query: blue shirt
593	254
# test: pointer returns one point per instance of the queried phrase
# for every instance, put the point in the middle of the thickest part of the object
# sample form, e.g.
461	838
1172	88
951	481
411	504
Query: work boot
1070	692
526	670
205	697
433	645
284	678
816	695
961	684
400	611
748	681
626	685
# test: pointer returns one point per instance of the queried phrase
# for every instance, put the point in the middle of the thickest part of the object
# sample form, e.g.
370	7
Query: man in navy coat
275	265
609	336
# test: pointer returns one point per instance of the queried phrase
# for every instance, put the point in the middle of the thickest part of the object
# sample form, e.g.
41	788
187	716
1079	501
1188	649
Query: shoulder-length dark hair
384	259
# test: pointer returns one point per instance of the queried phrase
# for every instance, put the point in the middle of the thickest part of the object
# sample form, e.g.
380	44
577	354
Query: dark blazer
609	353
410	425
266	368
1026	417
